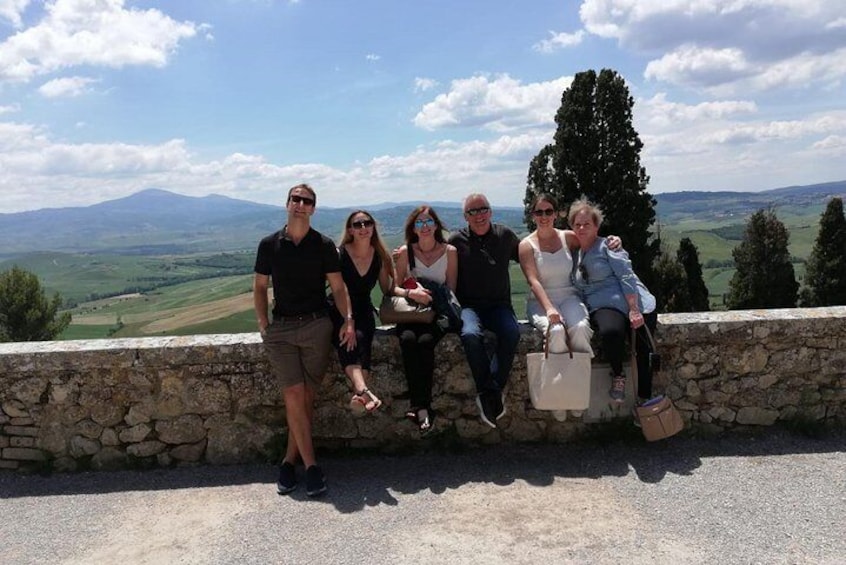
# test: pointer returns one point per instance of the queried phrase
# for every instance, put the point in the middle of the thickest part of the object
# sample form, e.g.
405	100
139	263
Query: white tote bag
559	381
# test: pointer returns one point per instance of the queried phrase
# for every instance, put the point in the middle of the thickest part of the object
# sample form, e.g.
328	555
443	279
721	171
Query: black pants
417	343
613	326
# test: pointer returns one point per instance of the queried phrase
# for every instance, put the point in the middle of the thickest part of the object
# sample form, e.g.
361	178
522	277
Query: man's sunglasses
421	223
363	224
543	212
304	199
477	211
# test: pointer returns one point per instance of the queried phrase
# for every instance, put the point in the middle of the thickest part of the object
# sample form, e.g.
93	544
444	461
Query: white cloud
559	41
832	142
690	65
10	109
12	10
728	45
500	104
423	84
658	112
372	57
66	87
97	33
40	172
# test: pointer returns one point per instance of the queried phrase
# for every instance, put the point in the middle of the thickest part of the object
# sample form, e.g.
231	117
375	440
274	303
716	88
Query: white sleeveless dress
554	275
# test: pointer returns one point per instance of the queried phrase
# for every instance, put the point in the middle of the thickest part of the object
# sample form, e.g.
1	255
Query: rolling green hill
157	278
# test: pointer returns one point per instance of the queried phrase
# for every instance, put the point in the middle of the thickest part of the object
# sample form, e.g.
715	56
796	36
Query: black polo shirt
483	262
298	272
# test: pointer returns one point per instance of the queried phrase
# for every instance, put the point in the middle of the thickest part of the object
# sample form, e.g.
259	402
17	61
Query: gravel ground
778	498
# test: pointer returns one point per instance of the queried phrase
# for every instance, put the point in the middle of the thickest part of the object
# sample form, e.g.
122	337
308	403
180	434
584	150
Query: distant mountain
677	206
157	221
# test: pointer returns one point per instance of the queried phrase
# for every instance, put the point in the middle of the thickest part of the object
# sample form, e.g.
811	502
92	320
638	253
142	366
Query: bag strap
566	339
634	359
634	352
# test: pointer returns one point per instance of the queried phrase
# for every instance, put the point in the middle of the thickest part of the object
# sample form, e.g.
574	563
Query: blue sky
373	101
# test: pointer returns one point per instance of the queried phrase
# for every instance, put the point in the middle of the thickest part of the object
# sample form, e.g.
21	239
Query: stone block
10	465
189	452
22	441
107	414
81	446
23	454
184	429
145	448
135	434
21	421
29	431
15	409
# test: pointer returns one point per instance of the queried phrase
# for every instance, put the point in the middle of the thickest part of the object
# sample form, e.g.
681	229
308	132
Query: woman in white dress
425	256
546	260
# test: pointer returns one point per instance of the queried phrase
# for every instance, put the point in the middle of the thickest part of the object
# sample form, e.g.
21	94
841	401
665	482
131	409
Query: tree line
595	153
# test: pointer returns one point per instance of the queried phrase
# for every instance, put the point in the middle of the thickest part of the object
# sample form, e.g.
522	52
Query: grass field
206	294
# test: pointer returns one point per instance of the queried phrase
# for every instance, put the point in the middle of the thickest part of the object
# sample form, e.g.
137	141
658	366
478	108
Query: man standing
484	291
299	261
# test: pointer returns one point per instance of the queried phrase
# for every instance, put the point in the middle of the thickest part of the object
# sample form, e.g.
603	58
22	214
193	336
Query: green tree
25	312
688	255
670	285
764	276
596	153
825	272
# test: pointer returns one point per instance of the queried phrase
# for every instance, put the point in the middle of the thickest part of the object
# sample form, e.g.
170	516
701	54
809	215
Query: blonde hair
584	205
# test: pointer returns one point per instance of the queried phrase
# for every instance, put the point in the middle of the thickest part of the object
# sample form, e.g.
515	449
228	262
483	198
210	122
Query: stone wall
182	400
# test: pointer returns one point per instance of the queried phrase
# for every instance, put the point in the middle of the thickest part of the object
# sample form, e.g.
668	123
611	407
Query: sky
376	101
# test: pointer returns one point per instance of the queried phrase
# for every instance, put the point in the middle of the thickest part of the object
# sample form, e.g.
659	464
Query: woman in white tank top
426	255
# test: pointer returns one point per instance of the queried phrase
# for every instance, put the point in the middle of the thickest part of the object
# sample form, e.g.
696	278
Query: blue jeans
490	372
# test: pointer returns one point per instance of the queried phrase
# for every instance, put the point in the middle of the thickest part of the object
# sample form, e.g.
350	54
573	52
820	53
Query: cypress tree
596	153
825	272
688	255
764	277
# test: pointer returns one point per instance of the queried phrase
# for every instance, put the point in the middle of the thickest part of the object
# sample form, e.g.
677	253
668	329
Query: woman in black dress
364	262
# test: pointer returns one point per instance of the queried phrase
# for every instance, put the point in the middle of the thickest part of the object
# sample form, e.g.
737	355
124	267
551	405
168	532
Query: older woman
364	262
615	297
425	256
547	264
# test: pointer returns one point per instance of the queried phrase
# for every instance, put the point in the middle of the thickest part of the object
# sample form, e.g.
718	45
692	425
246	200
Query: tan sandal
365	401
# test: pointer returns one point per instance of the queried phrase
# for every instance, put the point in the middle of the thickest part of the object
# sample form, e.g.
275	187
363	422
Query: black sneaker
315	481
287	478
487	410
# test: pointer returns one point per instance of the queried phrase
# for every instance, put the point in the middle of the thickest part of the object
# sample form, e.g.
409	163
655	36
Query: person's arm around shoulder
261	284
452	267
387	278
401	258
530	271
513	243
621	265
344	306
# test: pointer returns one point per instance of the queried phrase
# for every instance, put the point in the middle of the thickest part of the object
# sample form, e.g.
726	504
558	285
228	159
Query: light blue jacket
604	278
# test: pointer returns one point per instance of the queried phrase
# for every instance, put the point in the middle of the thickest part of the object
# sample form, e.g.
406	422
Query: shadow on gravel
359	481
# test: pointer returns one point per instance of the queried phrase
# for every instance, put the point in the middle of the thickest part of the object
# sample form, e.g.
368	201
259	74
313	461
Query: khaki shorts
299	351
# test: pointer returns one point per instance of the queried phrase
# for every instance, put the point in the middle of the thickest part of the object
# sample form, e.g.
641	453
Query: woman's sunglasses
305	200
363	224
543	212
428	222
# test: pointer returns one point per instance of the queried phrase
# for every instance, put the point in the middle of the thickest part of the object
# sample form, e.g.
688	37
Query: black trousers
613	326
417	343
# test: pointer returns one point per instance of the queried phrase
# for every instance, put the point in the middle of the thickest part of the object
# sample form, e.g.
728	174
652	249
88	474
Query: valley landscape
158	263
